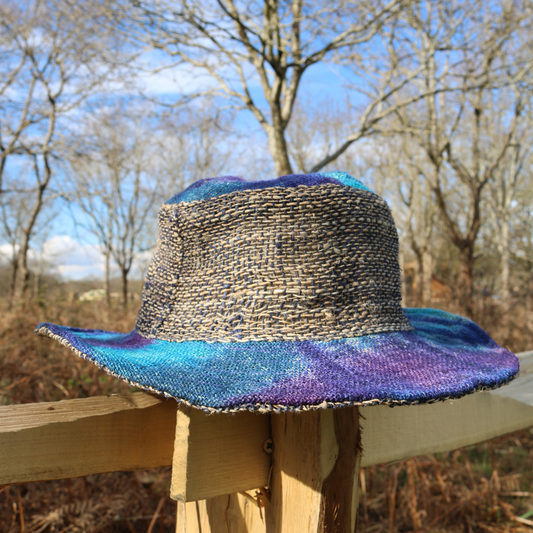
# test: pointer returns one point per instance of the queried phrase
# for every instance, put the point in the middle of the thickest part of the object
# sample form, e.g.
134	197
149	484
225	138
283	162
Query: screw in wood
268	446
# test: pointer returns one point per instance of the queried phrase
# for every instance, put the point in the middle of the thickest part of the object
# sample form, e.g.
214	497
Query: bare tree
420	212
52	63
15	210
452	126
14	115
113	182
523	256
271	44
317	127
508	190
196	142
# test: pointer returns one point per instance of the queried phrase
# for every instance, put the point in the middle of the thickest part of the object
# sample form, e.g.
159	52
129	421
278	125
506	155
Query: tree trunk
107	280
278	149
505	260
465	281
401	260
427	277
23	274
124	288
14	266
529	312
418	283
36	284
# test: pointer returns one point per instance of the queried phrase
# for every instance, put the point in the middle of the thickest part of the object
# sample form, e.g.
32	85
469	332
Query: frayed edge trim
265	407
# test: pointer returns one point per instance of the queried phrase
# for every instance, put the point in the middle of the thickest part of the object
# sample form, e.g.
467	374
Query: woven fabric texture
285	295
293	263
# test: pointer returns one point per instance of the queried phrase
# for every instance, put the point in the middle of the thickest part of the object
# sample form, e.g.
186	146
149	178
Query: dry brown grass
36	369
482	488
479	488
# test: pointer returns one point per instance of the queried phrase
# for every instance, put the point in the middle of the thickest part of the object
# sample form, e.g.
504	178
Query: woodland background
107	109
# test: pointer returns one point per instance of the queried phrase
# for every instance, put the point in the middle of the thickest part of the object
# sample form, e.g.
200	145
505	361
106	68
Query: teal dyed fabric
444	356
212	187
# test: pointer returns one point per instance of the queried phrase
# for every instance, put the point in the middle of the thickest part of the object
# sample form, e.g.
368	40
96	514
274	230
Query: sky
66	256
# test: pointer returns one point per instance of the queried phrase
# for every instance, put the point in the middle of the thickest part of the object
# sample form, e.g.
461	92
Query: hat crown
297	258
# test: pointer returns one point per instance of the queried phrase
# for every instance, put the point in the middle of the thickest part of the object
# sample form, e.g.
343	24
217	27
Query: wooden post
218	454
314	481
317	455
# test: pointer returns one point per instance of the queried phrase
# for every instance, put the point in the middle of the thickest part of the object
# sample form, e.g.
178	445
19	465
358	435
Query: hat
285	295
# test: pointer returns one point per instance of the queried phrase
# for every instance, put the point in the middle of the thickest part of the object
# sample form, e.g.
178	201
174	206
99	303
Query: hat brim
445	356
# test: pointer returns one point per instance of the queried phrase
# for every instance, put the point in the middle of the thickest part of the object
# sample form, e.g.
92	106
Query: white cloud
6	253
63	249
174	81
156	74
74	260
66	256
71	259
75	272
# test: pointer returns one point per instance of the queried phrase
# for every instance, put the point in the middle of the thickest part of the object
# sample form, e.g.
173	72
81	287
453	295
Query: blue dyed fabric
445	356
212	187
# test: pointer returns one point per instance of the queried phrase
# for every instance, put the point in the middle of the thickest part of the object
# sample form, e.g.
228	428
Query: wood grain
218	454
315	471
223	514
314	481
106	434
339	493
86	436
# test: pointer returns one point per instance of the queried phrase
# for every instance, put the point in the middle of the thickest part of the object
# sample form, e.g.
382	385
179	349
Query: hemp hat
285	295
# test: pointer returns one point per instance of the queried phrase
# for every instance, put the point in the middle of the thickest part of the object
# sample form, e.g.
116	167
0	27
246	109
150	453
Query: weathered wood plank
86	436
400	433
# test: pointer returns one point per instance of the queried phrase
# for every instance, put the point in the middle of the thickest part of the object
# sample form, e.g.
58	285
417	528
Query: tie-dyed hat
285	295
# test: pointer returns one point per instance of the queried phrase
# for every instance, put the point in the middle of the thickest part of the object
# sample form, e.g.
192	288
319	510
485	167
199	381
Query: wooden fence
301	468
